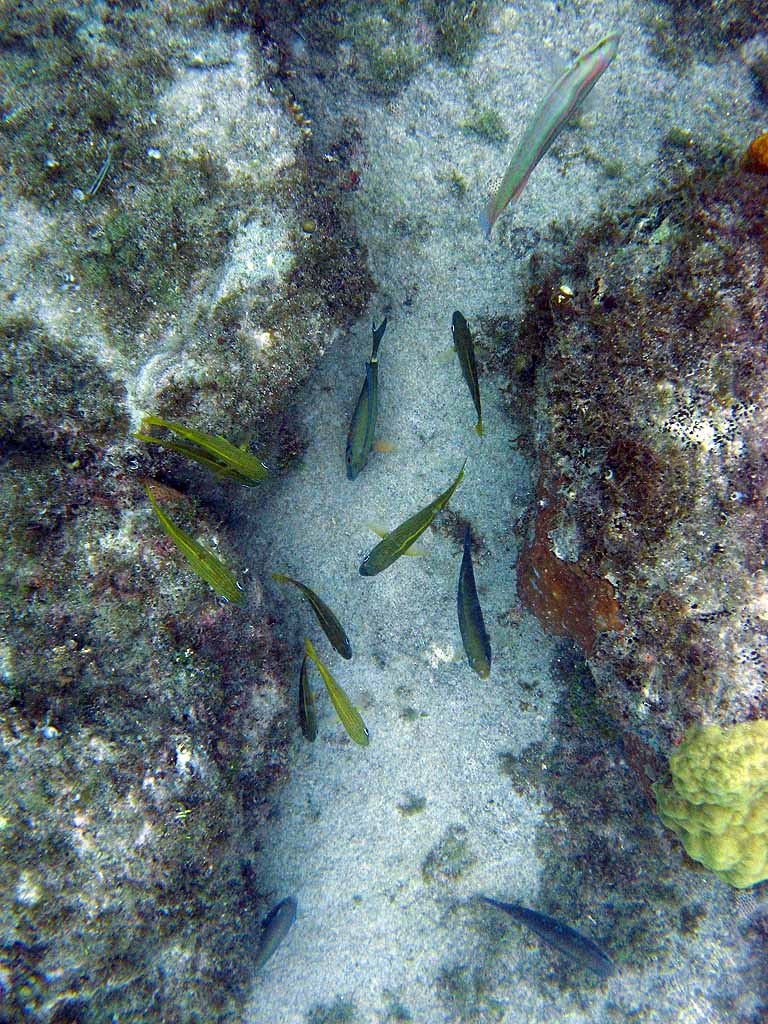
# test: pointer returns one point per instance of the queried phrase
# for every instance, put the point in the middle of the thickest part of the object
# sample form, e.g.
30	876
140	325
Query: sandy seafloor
371	933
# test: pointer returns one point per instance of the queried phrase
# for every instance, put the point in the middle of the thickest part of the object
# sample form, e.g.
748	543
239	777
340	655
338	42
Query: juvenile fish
473	634
98	181
363	424
329	624
202	561
400	539
348	714
210	450
567	940
307	713
465	349
557	107
274	929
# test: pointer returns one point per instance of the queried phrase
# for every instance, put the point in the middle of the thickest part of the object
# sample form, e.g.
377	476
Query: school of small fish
226	460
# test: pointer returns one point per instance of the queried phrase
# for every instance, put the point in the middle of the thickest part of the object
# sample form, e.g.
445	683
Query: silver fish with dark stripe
465	349
560	936
474	636
363	424
307	712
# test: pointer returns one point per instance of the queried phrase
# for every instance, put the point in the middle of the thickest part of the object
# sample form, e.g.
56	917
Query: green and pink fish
557	107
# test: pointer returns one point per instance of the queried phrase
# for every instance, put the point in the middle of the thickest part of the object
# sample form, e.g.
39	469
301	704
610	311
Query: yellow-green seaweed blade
213	452
348	714
202	561
402	537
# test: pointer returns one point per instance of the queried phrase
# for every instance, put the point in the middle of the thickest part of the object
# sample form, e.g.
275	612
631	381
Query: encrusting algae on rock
718	801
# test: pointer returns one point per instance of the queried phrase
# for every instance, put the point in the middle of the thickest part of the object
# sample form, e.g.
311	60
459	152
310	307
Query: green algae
683	31
340	1011
394	1012
51	393
458	25
411	805
467	993
449	858
141	252
486	124
98	679
382	37
389	66
63	101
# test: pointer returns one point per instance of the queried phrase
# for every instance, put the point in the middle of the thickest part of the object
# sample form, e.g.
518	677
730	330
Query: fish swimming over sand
329	624
348	714
400	539
558	935
363	424
274	929
473	633
465	349
554	111
307	712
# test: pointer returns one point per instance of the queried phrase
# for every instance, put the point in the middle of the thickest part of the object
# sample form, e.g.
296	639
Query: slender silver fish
98	181
274	929
329	624
465	349
565	96
477	646
564	939
307	712
363	423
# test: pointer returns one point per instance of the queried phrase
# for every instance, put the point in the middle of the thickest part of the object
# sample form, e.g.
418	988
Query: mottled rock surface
167	246
648	344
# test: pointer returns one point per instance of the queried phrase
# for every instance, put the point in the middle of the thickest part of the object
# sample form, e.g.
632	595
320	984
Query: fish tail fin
378	334
479	428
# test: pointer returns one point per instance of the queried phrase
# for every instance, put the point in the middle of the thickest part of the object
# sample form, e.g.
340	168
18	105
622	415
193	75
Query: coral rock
565	599
718	801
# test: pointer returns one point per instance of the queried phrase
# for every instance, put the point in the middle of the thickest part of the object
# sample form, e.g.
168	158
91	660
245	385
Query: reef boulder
649	539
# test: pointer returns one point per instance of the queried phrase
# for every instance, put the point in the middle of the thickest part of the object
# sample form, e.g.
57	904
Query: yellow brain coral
718	801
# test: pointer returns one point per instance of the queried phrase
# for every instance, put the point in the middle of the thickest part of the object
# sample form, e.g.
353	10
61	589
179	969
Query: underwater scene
384	506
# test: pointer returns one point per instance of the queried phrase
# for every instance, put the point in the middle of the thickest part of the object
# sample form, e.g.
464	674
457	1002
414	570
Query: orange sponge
756	157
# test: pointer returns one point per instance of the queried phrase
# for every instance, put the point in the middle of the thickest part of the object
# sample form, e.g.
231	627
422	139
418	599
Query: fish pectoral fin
383	446
414	551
